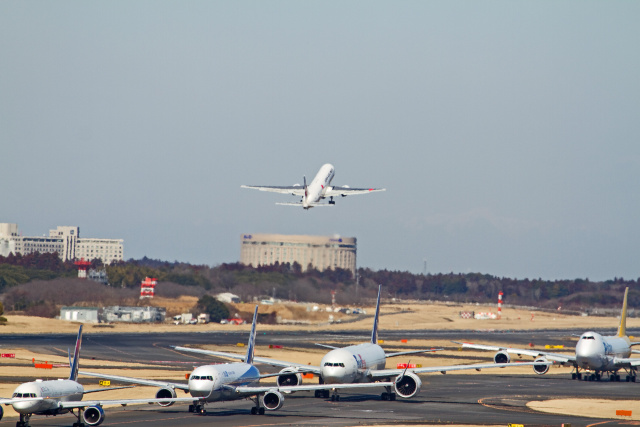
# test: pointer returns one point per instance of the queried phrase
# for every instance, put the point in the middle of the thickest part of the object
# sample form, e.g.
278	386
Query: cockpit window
589	337
334	364
198	377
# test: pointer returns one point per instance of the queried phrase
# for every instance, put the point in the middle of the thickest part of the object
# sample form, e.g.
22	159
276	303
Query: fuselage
318	186
52	392
215	383
597	353
351	364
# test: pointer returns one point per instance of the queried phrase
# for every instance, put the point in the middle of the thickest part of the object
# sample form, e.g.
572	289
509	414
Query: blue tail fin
76	357
374	333
252	339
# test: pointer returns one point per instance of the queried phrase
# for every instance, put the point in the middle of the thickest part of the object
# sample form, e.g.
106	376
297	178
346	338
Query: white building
320	252
65	240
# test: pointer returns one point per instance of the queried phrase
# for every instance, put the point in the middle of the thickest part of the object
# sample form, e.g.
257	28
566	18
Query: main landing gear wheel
335	397
257	411
322	394
198	409
388	396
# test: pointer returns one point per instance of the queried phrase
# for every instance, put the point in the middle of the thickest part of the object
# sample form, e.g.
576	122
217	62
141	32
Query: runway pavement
476	399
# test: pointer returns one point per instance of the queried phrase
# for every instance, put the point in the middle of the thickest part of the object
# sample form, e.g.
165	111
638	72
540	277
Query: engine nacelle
272	400
93	415
502	357
166	393
289	376
1	412
541	369
407	385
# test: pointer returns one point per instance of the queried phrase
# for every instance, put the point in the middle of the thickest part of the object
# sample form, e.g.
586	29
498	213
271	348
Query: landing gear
257	410
388	394
614	377
24	420
576	376
335	397
197	408
331	201
322	394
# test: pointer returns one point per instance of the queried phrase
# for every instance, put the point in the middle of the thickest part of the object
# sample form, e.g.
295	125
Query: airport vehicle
229	381
356	364
595	354
61	397
319	189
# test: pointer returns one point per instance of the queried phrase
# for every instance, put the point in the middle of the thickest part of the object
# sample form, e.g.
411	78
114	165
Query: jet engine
408	385
540	369
166	393
93	415
502	357
272	400
289	376
1	412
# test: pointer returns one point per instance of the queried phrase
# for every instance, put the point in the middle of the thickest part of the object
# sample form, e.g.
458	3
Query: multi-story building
318	252
65	240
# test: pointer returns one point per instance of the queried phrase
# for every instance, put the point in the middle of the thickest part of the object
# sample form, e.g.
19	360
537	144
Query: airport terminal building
65	240
320	252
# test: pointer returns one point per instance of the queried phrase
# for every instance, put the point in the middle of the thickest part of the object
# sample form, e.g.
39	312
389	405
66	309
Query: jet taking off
356	364
61	397
320	188
595	354
228	381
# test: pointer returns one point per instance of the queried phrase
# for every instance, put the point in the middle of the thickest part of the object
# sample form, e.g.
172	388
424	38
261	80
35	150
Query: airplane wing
626	362
348	191
402	353
123	402
95	390
10	401
296	190
256	359
386	373
246	390
140	381
556	357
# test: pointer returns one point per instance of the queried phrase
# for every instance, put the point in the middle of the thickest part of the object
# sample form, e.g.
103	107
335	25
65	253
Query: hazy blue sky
506	133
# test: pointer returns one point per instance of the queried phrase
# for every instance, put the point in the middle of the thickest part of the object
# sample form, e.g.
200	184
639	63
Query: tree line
289	282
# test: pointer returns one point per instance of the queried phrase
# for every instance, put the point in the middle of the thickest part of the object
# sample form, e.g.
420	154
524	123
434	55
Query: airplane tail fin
252	339
622	330
73	376
374	332
305	187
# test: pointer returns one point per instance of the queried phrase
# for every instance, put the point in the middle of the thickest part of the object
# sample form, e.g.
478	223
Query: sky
507	134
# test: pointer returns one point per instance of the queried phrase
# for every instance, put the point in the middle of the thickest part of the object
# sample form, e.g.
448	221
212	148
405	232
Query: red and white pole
500	305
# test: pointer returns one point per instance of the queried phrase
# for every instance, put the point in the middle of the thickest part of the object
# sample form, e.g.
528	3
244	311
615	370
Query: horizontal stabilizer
315	205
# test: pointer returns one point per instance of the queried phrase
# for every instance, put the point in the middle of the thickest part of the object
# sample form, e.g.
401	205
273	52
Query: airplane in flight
320	188
357	364
595	354
62	396
229	381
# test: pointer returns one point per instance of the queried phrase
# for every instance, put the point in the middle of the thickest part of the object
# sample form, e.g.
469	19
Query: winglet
622	330
374	332
252	339
76	357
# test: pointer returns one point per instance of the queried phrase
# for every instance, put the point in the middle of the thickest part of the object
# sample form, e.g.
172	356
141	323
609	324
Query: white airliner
356	364
229	381
319	189
61	397
595	354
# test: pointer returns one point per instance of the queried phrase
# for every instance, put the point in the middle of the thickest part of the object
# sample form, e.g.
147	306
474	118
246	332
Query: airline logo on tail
622	330
374	333
252	339
76	357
